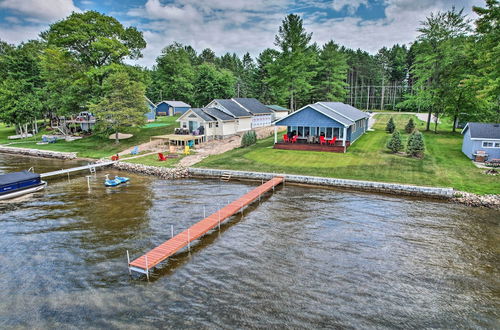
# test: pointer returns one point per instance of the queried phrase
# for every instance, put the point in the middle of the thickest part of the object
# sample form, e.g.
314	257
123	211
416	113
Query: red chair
322	140
285	138
115	158
294	139
332	141
161	158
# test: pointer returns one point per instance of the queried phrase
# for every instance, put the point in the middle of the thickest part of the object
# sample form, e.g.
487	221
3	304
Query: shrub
248	139
415	146
390	127
410	127
395	144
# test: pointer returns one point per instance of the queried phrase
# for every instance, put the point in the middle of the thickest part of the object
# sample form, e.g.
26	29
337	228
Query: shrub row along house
322	126
225	117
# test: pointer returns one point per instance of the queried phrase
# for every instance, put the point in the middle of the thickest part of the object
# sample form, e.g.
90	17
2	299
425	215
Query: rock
38	153
161	172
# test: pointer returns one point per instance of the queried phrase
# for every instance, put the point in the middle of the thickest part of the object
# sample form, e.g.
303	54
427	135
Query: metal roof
233	108
176	104
345	110
217	113
332	114
483	130
253	105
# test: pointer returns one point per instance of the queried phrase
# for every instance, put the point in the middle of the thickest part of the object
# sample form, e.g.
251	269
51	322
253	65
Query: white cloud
351	5
41	10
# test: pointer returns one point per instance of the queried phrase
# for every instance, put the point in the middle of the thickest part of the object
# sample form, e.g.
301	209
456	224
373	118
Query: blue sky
236	25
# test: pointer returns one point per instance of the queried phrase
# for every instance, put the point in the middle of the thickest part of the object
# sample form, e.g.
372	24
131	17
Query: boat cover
12	178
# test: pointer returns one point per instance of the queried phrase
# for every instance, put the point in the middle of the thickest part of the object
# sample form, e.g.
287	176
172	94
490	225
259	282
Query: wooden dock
160	253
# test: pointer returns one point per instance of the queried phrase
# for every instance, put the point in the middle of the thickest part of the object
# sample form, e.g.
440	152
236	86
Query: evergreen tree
395	144
291	70
390	127
410	126
331	73
415	146
122	106
264	90
211	83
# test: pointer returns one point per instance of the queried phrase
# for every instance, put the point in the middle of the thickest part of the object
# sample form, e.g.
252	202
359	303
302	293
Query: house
323	121
151	114
170	108
249	112
212	123
481	141
278	111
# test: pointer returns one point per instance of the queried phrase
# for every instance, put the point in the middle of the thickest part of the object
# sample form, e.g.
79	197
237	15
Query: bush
248	139
390	127
415	146
395	144
410	127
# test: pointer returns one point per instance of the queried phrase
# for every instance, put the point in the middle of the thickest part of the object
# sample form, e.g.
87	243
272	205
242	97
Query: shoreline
169	173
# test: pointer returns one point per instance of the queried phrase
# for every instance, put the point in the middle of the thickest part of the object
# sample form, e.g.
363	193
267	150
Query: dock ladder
226	176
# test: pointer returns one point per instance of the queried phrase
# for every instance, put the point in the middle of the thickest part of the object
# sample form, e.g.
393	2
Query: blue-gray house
151	114
481	141
322	126
170	108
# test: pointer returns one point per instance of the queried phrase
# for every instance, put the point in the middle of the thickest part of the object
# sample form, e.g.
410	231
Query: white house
249	111
212	123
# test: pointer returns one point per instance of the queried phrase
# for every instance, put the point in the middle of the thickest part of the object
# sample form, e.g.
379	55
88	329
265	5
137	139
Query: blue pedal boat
115	182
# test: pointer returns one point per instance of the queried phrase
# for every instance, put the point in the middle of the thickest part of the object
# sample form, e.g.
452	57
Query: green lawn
93	146
367	159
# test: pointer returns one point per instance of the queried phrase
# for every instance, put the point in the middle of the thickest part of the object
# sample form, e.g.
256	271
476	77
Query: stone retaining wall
391	188
161	172
38	153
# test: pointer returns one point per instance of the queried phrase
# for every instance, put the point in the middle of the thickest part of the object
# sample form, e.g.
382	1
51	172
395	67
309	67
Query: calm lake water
302	258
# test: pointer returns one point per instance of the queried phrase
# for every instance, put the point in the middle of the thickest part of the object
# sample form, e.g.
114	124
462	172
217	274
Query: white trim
312	106
485	139
194	113
490	141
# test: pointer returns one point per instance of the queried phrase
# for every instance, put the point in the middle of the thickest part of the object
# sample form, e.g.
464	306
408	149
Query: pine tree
416	145
395	144
390	127
410	126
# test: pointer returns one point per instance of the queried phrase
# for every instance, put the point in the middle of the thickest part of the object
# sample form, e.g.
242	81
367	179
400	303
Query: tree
122	106
291	69
410	127
415	146
395	144
390	127
264	90
207	56
331	74
211	83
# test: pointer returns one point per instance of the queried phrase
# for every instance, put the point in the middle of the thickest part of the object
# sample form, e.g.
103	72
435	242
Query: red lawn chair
322	140
332	141
294	139
161	158
285	138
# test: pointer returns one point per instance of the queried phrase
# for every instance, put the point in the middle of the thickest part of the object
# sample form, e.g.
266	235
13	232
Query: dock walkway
160	253
76	169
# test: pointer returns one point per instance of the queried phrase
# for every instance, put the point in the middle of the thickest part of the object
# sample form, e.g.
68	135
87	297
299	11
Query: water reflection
302	258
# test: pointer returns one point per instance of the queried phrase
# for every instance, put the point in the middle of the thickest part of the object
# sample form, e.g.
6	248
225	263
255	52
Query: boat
16	184
122	179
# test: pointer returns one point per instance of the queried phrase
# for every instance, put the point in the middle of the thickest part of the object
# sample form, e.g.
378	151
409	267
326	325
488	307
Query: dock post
128	264
172	230
68	177
147	268
189	243
204	212
88	181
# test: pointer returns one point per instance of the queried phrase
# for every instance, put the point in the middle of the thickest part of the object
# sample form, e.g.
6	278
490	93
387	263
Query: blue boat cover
12	178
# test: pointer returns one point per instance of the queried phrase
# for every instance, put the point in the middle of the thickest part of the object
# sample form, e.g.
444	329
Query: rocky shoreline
38	153
161	172
470	199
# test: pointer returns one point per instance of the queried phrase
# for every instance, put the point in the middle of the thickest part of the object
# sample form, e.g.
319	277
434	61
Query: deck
144	263
313	146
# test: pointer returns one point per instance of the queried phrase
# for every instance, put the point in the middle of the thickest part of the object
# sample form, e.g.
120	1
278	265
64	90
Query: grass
152	160
444	164
93	146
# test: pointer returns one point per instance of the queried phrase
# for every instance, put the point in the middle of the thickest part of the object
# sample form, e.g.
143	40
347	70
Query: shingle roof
203	115
332	114
216	113
276	107
345	110
483	130
176	104
233	107
253	105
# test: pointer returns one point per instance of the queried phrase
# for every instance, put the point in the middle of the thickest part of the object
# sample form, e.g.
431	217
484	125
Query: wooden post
189	243
147	267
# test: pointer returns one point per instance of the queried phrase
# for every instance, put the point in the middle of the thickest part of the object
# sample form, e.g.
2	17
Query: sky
238	26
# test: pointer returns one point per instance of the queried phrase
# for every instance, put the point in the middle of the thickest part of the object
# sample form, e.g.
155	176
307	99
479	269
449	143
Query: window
354	127
300	131
216	124
329	132
491	144
209	125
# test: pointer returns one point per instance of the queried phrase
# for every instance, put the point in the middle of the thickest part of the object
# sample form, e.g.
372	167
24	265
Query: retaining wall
38	153
391	188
